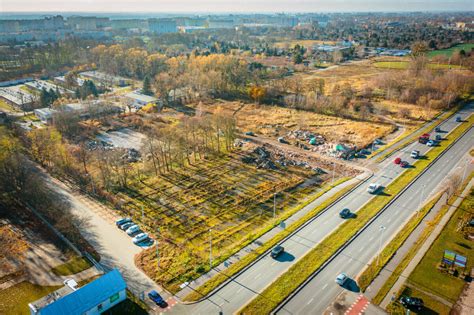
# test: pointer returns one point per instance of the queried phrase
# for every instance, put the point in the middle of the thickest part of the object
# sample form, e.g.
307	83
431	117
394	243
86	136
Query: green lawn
402	65
426	274
73	266
15	299
432	306
449	51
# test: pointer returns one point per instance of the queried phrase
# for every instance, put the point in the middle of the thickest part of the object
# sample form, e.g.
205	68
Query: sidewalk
265	237
380	280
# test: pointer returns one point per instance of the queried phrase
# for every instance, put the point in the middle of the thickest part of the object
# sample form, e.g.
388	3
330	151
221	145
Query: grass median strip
283	286
213	283
374	268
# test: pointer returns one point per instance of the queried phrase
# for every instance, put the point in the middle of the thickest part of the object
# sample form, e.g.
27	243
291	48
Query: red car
397	160
403	164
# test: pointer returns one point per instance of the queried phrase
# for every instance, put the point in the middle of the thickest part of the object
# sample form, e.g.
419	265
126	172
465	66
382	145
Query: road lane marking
273	263
257	276
309	302
240	289
324	287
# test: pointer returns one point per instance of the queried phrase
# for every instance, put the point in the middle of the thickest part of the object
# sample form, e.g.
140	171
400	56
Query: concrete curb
231	278
327	262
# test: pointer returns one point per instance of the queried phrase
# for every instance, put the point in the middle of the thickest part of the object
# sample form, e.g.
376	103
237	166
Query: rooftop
141	97
68	301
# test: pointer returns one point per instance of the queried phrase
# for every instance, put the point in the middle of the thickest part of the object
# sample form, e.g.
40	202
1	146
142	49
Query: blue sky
232	5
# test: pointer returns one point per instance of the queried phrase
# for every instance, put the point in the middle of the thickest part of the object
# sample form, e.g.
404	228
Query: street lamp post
210	249
274	204
382	228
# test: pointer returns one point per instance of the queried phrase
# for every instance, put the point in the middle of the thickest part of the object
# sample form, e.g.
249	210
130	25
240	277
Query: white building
139	100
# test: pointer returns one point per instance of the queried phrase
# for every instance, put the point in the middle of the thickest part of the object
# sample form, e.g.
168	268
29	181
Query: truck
373	188
424	138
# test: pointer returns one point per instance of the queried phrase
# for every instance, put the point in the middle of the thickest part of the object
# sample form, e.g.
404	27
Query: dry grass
276	121
417	114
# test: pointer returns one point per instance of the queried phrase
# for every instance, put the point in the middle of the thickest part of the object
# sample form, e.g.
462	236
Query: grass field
274	121
15	299
230	197
427	276
269	298
431	306
403	65
73	266
449	51
5	106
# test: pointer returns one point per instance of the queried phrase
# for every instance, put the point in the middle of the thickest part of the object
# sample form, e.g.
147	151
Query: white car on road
341	278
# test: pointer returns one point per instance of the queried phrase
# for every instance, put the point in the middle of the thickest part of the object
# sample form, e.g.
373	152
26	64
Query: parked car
341	278
277	251
121	221
125	226
458	119
438	138
404	164
378	141
133	229
140	238
415	154
412	302
373	188
397	160
250	133
156	297
282	140
345	213
438	129
431	143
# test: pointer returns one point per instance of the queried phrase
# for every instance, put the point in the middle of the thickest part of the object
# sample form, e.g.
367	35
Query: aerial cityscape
253	157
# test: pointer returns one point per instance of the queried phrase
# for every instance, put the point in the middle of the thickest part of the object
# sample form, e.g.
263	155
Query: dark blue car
155	297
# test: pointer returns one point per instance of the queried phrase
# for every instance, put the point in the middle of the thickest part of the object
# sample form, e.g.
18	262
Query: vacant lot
276	121
224	194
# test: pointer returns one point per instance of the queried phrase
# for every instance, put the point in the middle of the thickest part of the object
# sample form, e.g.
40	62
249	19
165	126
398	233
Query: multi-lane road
315	296
253	280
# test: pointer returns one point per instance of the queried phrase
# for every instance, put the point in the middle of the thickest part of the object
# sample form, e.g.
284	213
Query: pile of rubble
265	158
304	135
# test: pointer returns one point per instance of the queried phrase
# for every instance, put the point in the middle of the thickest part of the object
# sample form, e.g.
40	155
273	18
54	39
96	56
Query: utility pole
210	249
274	204
382	228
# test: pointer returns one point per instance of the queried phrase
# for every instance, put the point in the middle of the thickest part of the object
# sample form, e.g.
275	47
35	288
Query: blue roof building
93	298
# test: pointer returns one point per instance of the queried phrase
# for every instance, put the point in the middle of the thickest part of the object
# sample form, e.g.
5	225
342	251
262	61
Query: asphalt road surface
322	290
252	281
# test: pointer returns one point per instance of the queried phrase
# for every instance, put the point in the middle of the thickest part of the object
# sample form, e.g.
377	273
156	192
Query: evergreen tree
147	86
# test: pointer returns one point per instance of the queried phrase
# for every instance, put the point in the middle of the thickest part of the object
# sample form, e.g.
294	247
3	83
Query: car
121	221
431	143
345	213
140	238
276	251
412	302
438	129
250	133
404	164
341	278
125	226
458	119
415	154
156	297
438	137
373	188
378	141
133	229
397	160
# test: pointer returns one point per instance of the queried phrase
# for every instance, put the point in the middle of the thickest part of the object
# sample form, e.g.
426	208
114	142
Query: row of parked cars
133	230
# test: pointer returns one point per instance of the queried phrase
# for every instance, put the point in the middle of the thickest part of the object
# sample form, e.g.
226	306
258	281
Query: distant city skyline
238	6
